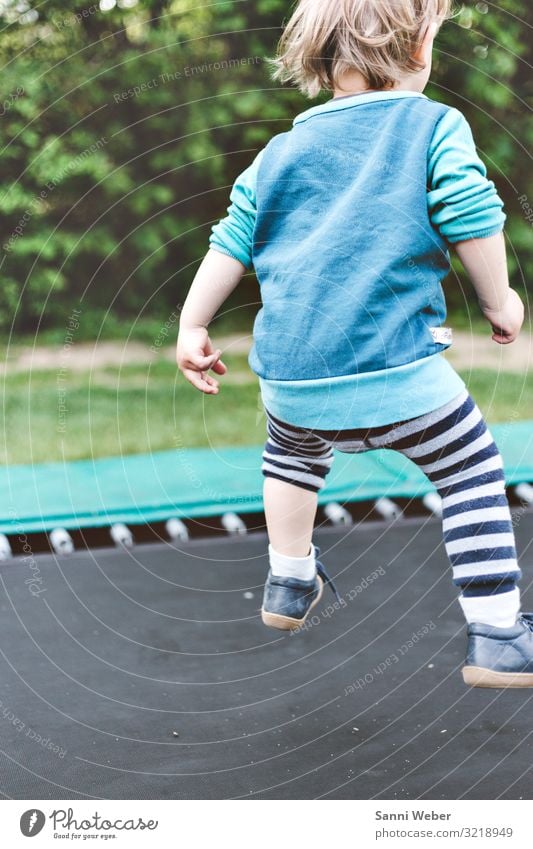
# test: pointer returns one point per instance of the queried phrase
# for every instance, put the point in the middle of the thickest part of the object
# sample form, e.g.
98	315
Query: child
347	219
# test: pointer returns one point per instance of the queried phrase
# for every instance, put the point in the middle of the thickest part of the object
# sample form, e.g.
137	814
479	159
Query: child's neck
352	82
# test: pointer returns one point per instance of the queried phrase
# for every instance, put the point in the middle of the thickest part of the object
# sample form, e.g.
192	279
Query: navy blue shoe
500	657
287	601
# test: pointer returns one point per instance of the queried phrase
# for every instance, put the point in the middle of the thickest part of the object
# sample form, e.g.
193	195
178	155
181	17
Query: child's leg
295	464
290	516
455	449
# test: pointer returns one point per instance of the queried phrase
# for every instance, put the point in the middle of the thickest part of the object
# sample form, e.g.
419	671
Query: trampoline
147	674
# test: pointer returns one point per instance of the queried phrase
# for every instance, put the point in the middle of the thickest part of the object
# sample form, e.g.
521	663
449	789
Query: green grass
131	410
501	396
139	409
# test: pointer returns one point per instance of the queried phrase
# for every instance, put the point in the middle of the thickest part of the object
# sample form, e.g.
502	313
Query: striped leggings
454	448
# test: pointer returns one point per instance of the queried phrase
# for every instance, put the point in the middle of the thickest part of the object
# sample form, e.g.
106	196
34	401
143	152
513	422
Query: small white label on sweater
442	335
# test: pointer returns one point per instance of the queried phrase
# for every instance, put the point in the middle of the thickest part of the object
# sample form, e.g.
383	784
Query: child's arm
215	280
223	266
466	209
485	262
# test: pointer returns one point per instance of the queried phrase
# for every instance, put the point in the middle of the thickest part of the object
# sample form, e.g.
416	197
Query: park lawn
143	408
128	410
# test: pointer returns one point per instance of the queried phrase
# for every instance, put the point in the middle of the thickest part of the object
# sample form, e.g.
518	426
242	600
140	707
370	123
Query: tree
125	122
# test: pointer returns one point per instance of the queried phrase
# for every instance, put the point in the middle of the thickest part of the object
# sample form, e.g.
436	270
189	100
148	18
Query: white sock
499	610
283	566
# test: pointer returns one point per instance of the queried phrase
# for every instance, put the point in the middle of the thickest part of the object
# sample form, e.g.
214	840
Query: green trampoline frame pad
202	482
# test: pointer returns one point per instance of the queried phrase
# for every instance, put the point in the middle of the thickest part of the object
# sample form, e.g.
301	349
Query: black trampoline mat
120	651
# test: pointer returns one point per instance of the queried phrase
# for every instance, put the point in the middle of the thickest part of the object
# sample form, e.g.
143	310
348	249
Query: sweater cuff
234	253
475	234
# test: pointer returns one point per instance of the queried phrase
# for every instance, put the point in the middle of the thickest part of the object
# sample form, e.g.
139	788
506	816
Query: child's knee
308	472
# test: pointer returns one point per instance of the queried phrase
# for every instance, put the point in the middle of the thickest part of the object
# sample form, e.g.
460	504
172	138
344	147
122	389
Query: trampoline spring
176	529
5	548
61	541
121	535
233	524
337	514
524	491
387	508
432	501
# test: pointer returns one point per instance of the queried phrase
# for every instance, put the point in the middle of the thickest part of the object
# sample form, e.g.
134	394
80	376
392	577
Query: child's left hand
195	355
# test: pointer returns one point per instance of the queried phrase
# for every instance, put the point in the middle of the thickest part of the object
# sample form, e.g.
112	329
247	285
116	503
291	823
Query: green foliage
482	67
123	130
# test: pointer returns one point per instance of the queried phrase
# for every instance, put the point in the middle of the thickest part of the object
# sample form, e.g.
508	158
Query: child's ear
422	53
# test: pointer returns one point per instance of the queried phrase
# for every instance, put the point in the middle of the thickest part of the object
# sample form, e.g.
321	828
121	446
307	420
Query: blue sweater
346	219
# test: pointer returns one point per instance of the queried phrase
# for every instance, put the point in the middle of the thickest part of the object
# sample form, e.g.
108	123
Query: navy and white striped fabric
454	448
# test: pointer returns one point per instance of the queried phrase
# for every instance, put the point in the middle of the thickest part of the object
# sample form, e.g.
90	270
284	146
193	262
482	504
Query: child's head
379	39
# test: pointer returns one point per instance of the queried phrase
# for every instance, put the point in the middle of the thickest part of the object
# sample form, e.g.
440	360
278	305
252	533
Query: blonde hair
325	38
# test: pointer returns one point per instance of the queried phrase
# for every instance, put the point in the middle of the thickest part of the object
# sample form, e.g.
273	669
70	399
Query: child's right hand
506	323
195	355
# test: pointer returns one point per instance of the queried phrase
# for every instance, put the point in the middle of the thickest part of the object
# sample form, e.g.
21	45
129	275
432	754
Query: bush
123	131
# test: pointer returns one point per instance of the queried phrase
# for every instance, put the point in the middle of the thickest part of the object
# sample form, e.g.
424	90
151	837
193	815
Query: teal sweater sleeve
463	203
233	234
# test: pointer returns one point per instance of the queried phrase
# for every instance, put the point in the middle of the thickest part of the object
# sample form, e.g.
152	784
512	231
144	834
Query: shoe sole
289	623
478	676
